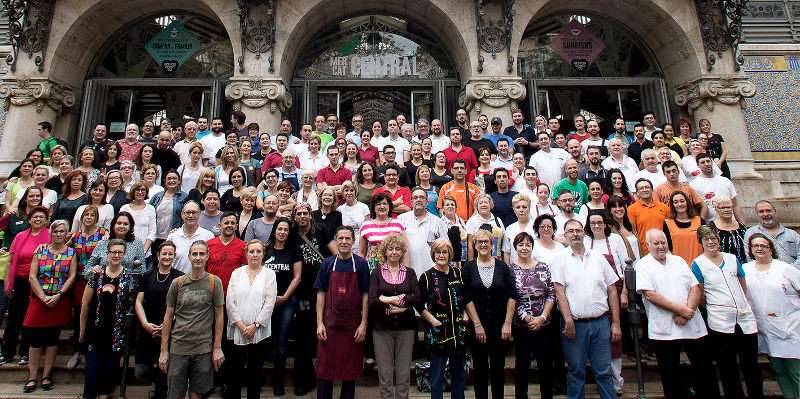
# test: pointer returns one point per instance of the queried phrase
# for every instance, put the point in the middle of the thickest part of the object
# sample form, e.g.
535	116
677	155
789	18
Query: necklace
158	275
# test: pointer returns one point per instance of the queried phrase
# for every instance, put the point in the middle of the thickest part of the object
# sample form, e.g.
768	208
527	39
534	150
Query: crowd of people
338	245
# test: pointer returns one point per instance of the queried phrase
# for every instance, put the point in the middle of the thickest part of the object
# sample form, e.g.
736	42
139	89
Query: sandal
47	383
29	386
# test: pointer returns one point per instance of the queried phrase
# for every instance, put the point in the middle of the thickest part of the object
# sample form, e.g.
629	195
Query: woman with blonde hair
249	211
151	178
423	180
190	172
308	190
207	180
393	294
484	219
229	160
327	215
354	213
143	214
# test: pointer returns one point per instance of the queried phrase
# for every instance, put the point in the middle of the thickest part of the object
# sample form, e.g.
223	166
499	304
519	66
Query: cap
497	120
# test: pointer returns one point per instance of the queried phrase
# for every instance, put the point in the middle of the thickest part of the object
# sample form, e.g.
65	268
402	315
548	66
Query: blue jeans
281	322
593	343
457	374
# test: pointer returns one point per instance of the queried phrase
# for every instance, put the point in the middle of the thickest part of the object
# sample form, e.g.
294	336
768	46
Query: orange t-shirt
647	217
664	191
465	201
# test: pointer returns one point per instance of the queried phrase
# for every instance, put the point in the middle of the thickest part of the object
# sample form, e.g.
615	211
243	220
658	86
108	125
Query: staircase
69	383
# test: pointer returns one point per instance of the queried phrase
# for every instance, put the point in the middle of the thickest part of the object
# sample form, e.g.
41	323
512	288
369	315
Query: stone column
720	99
27	101
261	100
493	96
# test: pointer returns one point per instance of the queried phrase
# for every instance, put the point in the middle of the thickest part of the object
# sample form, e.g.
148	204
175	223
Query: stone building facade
84	61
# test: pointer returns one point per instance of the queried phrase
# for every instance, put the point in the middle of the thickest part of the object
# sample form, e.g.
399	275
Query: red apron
616	347
340	357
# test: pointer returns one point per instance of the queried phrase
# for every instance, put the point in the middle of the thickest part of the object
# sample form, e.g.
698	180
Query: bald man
671	295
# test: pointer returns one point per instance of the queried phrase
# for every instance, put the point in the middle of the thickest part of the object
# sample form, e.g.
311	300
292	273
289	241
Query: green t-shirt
192	330
46	145
580	190
324	138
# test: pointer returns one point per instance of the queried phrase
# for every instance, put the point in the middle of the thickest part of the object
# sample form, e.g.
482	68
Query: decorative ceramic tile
773	115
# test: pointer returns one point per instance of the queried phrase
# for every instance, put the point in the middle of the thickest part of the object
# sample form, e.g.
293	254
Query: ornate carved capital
39	91
709	89
495	93
256	93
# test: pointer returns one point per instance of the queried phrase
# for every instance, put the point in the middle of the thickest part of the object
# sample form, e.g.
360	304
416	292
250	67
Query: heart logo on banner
170	65
580	64
576	32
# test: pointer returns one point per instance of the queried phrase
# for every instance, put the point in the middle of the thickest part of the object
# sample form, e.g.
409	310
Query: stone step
71	391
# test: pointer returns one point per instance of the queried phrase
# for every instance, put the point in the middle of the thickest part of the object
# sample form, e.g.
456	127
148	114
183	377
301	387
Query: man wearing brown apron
343	285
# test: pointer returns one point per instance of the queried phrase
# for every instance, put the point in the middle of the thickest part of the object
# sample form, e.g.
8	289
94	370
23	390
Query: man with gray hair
130	145
421	229
671	295
787	241
584	283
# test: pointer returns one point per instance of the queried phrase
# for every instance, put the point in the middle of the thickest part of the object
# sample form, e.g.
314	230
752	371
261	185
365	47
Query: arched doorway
587	63
377	66
171	64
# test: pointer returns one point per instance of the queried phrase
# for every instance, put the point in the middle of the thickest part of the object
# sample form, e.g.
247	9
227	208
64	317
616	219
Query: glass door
375	103
118	102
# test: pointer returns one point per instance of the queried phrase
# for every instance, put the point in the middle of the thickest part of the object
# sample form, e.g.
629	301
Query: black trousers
306	345
17	308
489	360
245	368
537	344
733	352
676	385
325	390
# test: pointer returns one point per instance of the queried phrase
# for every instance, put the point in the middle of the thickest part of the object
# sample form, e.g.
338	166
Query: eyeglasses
483	242
762	246
116	253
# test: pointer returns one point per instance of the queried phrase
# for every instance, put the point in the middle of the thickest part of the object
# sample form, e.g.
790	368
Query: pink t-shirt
22	249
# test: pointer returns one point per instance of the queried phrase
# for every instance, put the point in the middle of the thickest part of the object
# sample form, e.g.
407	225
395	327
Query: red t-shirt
465	153
224	259
328	176
369	155
400	192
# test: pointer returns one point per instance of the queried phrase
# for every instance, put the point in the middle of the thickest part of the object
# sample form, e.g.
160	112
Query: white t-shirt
549	165
212	144
599	142
508	239
183	243
655	177
710	188
401	146
439	143
144	222
316	163
547	255
353	217
182	149
627	166
673	280
691	170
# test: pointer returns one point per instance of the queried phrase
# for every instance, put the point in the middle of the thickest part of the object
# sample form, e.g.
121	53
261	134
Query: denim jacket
178	200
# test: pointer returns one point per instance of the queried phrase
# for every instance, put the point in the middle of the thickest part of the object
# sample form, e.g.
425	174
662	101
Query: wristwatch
257	324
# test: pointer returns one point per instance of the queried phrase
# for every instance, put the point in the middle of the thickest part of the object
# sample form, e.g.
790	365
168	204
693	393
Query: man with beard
439	141
580	133
579	189
130	145
423	130
148	133
502	197
592	169
213	142
575	150
314	244
595	139
462	121
618	160
261	228
182	147
639	144
621	133
202	128
787	241
649	121
522	134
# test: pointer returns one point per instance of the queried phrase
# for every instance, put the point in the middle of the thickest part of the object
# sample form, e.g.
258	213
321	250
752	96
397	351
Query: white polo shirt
627	166
585	282
439	143
674	280
183	243
421	234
